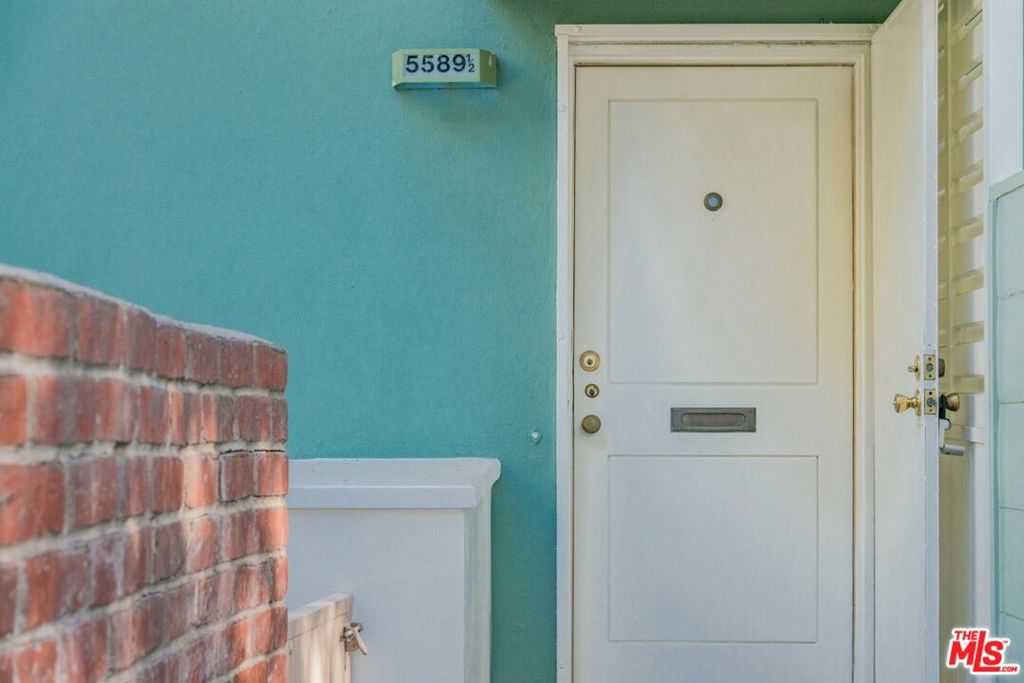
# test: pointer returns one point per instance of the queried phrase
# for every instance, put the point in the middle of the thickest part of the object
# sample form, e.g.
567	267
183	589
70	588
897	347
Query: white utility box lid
396	483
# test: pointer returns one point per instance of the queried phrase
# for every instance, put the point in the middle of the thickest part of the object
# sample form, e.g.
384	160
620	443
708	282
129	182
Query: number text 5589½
440	64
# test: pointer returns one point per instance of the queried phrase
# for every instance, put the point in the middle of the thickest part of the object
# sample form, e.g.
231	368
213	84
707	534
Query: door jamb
732	44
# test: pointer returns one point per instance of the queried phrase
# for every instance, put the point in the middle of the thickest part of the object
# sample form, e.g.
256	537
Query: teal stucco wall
1009	413
247	164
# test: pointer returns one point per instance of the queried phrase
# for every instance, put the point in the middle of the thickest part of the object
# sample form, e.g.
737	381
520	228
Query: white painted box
411	538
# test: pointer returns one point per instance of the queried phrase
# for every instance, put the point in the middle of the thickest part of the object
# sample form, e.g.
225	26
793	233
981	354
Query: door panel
660	589
714	555
766	233
905	312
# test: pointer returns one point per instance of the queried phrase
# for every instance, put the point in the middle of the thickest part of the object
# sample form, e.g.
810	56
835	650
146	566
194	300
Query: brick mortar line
20	601
268	657
43	544
19	635
183	387
30	409
24	365
181	642
39	454
123	675
62	625
153	517
155	450
58	630
38	367
164	651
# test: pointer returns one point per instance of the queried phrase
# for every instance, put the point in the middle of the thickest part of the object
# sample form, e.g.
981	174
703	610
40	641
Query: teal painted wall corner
248	164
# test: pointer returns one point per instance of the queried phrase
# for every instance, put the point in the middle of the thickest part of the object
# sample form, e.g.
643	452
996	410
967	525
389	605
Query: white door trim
720	45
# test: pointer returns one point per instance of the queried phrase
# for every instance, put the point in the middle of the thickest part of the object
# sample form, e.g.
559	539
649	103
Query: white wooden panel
1011	244
685	534
904	232
1010	475
411	569
1011	560
671	256
1010	368
315	651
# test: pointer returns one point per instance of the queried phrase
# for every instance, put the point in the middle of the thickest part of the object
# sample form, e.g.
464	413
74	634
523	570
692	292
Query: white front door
713	506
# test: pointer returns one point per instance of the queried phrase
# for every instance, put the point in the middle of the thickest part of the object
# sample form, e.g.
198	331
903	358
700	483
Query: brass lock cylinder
590	361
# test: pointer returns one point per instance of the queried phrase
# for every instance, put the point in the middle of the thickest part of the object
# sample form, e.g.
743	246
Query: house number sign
444	68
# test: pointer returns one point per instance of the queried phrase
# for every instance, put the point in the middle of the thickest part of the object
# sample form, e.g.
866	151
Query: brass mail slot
714	419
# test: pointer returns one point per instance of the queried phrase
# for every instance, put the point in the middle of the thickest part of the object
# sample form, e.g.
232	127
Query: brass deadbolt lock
590	361
903	402
931	364
591	390
591	424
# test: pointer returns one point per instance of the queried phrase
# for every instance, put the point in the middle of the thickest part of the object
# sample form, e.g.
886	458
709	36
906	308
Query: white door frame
1003	61
734	44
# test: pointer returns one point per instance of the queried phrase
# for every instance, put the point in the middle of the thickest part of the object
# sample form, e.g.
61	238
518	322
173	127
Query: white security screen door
713	332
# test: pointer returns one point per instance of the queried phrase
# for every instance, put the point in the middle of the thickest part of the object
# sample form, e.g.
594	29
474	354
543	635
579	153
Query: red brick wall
142	475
